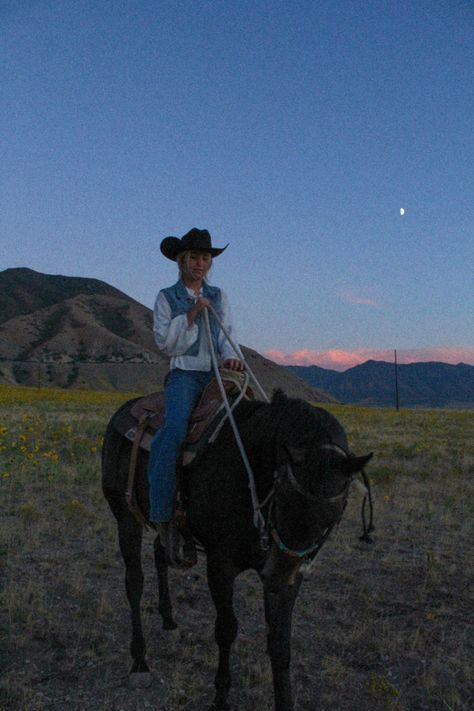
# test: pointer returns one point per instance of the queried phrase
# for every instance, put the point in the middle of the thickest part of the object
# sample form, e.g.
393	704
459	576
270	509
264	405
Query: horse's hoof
140	680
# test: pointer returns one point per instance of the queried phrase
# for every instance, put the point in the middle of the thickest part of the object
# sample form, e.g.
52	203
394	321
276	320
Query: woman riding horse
179	332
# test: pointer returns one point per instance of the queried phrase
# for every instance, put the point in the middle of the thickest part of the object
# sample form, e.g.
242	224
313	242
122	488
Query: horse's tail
115	456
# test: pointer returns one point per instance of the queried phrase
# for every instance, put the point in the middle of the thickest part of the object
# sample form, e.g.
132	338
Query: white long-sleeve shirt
175	336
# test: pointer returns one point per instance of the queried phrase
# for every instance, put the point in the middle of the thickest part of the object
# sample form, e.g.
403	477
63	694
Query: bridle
285	473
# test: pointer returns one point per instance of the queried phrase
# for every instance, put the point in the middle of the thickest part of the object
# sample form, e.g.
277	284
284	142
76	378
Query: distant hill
79	332
23	291
373	383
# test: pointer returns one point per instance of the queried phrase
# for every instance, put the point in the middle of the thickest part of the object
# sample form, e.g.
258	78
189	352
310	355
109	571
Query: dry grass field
381	627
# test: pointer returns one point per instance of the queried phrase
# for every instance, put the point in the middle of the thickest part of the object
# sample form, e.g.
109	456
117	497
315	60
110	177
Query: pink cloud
342	360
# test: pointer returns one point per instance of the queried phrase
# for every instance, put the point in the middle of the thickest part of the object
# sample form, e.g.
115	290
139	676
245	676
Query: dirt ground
375	627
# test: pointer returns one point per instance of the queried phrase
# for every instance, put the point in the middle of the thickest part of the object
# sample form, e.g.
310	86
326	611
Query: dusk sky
298	131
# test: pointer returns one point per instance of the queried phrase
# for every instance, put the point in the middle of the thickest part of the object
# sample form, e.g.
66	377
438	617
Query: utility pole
397	403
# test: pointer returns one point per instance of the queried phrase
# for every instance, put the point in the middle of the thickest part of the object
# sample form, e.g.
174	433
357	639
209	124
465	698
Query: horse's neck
259	435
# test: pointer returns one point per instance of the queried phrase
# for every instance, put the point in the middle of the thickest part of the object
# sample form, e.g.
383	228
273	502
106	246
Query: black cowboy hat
195	240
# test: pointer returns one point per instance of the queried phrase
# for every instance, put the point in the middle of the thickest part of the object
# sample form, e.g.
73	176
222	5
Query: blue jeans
182	391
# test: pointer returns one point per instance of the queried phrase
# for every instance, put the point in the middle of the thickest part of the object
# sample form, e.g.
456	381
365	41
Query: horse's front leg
221	584
279	605
164	599
130	541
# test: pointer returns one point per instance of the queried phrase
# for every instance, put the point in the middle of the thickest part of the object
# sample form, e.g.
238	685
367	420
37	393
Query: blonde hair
182	258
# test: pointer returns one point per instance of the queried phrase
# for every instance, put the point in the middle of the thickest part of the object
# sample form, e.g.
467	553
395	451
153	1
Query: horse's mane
296	421
304	423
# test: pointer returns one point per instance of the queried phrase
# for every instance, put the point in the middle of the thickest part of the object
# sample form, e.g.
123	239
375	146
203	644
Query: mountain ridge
24	290
84	333
429	384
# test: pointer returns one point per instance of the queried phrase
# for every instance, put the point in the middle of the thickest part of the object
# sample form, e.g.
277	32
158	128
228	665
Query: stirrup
180	550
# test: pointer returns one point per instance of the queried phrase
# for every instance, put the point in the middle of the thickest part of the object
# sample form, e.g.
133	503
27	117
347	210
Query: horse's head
311	486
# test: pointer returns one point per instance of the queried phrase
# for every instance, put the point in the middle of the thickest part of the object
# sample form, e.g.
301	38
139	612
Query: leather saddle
146	415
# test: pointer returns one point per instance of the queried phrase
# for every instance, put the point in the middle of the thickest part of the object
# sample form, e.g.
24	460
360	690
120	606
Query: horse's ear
279	397
356	464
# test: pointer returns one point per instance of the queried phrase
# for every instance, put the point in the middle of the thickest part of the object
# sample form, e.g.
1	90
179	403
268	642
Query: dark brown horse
302	467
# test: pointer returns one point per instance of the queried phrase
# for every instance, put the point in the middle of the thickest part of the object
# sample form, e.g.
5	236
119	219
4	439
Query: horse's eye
297	454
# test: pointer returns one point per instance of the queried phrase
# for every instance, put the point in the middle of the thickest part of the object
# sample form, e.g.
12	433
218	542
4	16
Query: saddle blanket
147	415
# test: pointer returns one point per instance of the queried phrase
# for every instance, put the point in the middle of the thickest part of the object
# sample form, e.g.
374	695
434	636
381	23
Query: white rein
258	520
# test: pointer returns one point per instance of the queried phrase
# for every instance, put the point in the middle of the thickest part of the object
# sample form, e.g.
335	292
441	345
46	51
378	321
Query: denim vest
180	302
